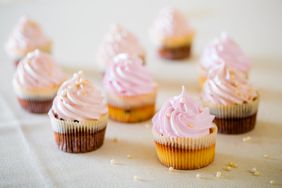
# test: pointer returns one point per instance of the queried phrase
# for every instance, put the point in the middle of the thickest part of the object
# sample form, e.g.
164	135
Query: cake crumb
253	170
129	156
218	174
147	125
256	173
198	175
248	138
114	140
272	182
113	162
136	178
232	165
227	168
170	168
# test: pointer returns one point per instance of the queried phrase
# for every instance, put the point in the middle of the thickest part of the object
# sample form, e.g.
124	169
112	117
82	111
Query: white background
29	157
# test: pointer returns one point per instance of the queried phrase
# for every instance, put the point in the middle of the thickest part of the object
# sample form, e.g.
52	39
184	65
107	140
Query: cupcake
79	116
117	41
131	90
184	134
36	81
172	34
223	49
231	99
26	37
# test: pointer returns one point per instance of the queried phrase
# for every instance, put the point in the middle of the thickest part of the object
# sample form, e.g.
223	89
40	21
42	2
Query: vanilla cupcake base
132	115
78	137
176	53
186	153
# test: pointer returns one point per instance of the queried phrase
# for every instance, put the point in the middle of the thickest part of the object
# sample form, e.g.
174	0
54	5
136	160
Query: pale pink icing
224	49
226	85
127	77
117	41
38	70
171	23
183	116
26	37
78	99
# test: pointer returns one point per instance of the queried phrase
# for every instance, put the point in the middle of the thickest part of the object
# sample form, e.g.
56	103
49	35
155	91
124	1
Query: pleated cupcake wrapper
235	111
79	137
187	143
186	153
36	106
68	126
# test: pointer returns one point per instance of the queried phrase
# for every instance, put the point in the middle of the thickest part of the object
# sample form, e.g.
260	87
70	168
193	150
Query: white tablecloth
29	156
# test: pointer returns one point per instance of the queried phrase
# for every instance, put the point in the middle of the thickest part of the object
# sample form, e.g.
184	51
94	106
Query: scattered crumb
227	168
129	156
171	168
114	140
256	173
218	174
245	139
253	170
147	125
198	175
136	178
272	182
232	165
113	162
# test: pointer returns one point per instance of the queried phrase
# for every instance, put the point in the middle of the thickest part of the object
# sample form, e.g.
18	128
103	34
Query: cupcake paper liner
186	153
36	106
132	115
79	137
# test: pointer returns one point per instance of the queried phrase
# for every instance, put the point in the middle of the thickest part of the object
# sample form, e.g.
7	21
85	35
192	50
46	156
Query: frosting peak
224	49
183	116
117	41
126	76
27	36
78	99
226	85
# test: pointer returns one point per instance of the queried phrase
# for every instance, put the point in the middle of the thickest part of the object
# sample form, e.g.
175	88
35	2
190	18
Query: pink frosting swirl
78	99
226	85
117	41
182	116
127	77
26	37
224	49
38	70
171	23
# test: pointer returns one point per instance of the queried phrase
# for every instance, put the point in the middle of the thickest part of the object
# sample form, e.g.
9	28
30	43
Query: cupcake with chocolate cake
172	34
79	116
26	37
184	133
36	81
231	99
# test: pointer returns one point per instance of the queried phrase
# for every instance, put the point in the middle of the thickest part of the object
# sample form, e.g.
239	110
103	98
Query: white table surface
28	154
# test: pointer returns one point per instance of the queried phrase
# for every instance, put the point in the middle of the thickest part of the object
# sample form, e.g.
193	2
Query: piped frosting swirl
224	49
117	41
127	77
182	116
26	37
78	99
226	85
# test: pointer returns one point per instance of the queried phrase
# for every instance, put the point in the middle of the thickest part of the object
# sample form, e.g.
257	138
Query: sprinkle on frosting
183	116
78	99
127	77
27	36
226	85
224	49
38	70
117	41
171	24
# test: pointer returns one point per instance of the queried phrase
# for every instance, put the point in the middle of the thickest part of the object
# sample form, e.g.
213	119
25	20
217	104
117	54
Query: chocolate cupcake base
36	106
235	125
179	53
80	141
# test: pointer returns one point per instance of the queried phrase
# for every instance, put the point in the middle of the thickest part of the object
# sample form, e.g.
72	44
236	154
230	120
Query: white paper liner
186	142
235	111
68	126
